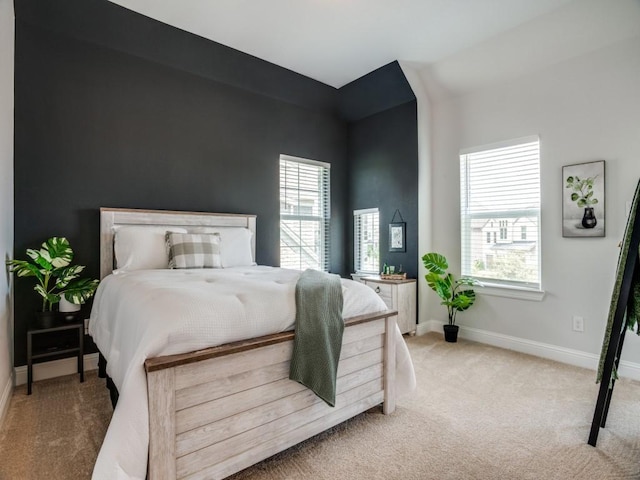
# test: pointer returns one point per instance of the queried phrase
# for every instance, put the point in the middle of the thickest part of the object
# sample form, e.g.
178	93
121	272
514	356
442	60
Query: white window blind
500	213
366	240
304	213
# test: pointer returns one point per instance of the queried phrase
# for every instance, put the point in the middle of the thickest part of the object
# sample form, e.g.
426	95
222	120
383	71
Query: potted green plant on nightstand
55	276
448	289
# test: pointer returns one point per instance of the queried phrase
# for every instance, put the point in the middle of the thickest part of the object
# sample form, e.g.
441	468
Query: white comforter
137	315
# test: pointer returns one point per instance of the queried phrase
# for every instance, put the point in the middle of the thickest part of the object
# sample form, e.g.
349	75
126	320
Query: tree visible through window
304	213
501	184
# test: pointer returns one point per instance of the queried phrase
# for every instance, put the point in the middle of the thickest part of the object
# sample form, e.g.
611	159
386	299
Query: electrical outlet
86	326
578	324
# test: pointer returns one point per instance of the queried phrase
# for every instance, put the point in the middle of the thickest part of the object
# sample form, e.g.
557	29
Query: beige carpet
479	413
56	432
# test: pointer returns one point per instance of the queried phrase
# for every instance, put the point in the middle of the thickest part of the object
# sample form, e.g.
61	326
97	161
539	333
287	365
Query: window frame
323	220
356	237
495	286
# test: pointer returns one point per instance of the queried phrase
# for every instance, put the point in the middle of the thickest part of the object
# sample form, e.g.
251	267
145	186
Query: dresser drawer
385	291
400	296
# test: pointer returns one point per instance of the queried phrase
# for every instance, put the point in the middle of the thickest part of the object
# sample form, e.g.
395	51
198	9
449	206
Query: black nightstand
63	338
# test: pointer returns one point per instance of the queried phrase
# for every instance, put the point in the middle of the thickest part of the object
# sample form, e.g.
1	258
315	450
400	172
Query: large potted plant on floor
449	290
55	277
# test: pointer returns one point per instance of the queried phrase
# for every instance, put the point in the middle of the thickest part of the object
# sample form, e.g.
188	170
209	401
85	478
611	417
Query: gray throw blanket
318	339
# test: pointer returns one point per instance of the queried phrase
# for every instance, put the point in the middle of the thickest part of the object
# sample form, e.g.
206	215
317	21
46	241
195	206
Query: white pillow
235	245
142	248
235	248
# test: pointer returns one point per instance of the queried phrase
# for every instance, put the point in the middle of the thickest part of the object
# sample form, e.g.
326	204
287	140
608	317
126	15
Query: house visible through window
503	229
366	240
304	213
501	183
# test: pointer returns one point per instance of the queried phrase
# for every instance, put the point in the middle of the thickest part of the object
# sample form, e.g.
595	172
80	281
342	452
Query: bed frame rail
217	411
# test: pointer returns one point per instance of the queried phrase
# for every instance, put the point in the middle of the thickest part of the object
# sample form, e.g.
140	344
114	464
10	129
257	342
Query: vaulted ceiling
338	41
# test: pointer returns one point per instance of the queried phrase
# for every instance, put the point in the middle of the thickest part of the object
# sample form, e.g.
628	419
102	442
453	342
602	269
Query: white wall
584	109
6	196
425	169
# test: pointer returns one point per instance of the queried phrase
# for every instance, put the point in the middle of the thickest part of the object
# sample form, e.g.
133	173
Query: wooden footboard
217	411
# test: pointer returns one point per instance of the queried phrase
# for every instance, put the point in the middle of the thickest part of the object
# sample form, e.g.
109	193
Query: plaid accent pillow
193	250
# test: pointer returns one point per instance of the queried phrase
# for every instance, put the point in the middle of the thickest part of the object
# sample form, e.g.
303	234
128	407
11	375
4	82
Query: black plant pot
46	319
450	333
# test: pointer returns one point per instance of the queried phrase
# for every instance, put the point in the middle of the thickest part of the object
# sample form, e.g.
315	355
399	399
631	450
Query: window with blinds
500	213
366	240
304	213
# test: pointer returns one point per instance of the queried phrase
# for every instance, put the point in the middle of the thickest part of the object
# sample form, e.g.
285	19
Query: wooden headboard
111	218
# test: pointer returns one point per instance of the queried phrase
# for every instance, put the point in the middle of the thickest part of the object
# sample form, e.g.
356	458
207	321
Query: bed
204	402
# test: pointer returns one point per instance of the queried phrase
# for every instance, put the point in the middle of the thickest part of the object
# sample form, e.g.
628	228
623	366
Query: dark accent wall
383	173
383	156
375	92
103	23
115	109
96	126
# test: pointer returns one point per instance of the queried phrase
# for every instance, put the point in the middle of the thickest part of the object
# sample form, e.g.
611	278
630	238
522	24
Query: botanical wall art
397	233
583	212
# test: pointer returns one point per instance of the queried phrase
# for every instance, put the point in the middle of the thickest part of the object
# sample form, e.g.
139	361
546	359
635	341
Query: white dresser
399	295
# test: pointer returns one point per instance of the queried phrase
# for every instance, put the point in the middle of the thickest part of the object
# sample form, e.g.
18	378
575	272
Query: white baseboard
5	399
56	368
429	326
544	350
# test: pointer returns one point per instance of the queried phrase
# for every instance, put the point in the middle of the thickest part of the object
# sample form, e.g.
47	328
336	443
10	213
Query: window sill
511	292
